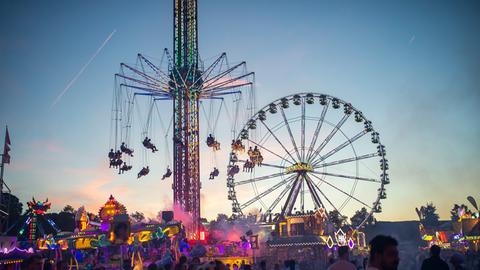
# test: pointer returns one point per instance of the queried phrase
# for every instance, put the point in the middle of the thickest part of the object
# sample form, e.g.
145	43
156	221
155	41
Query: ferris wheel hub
300	167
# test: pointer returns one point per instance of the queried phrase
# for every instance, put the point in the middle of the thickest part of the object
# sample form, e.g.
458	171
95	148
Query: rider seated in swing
112	163
210	140
214	173
126	150
167	174
111	154
144	171
124	168
117	155
147	142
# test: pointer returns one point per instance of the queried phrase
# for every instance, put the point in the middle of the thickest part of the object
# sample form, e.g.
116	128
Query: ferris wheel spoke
290	132
343	192
303	130
279	142
260	178
340	147
347	176
315	197
346	160
329	137
271	152
263	194
292	196
266	165
317	129
281	195
323	194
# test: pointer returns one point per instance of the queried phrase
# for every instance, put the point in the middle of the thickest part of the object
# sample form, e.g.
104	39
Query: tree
455	210
68	209
64	220
137	217
429	215
336	218
14	209
222	217
361	215
93	217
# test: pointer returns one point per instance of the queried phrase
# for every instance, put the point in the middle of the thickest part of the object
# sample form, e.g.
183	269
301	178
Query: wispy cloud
82	69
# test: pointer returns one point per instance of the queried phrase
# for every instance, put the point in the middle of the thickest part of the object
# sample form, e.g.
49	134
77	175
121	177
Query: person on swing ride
210	140
117	155
144	171
167	174
124	168
147	142
126	150
214	174
111	154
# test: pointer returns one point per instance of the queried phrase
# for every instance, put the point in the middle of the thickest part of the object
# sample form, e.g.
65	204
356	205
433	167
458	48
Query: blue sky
413	67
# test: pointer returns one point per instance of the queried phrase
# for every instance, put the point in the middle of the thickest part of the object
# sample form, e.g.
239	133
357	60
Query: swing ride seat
143	172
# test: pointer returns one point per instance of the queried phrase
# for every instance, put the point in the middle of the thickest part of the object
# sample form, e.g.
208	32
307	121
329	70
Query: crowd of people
383	255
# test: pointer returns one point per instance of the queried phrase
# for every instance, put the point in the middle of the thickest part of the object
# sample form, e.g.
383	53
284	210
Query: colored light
351	244
330	242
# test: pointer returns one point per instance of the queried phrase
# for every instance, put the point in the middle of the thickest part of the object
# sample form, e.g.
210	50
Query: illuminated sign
300	167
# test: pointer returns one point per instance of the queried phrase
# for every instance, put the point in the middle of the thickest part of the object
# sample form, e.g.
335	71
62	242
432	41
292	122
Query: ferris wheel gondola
313	155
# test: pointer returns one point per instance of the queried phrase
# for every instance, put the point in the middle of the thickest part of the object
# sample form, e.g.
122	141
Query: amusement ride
180	77
316	152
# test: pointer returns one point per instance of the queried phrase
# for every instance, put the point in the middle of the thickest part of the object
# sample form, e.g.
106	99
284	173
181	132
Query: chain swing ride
182	78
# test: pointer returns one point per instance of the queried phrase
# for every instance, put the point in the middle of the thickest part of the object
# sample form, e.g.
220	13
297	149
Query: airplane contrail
82	69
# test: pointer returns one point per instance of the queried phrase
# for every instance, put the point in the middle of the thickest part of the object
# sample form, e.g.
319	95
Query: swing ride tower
186	176
182	78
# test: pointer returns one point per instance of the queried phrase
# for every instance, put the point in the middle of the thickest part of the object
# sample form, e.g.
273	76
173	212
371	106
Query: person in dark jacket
434	262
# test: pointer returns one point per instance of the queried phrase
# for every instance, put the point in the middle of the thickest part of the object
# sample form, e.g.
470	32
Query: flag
6	148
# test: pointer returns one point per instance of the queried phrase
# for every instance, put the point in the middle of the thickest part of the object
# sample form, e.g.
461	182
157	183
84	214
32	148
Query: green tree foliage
11	205
93	217
64	220
361	215
454	212
222	217
429	215
137	217
68	209
336	218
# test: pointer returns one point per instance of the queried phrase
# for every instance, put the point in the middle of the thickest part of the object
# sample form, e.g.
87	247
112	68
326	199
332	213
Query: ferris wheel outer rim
303	95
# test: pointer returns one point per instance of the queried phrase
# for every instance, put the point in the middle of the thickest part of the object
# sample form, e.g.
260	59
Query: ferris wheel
307	152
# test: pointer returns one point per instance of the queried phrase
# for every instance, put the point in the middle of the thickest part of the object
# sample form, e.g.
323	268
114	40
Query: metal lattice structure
184	80
316	152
